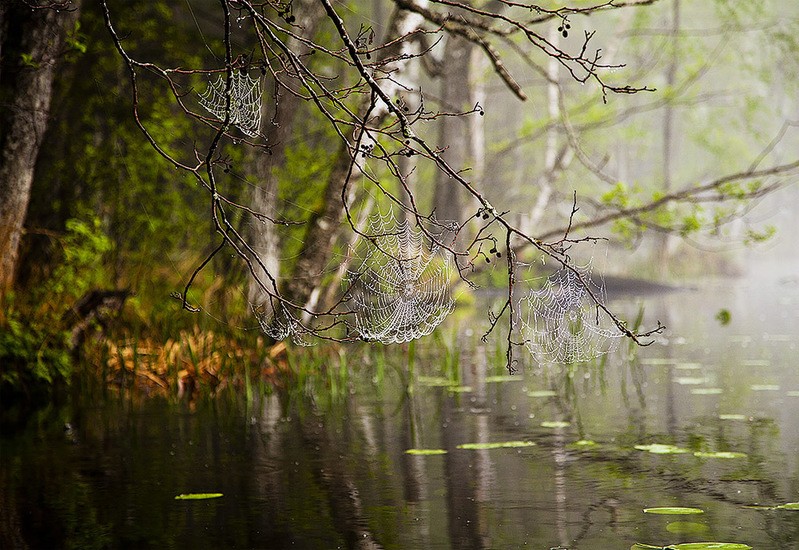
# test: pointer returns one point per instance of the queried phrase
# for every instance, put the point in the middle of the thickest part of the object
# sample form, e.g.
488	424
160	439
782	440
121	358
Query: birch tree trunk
278	127
33	40
325	222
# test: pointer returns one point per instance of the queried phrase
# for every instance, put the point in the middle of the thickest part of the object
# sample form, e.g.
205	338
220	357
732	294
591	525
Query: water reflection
322	464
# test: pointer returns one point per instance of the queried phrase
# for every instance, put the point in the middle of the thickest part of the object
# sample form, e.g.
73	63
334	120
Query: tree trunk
456	96
32	44
665	242
279	128
325	223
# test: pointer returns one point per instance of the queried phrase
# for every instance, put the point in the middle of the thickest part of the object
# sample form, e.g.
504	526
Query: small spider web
245	102
564	324
279	324
400	290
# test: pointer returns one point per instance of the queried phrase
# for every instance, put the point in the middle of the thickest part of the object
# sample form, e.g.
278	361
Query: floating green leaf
792	393
555	424
719	454
688	366
662	449
673	510
426	452
724	317
657	361
542	393
459	389
756	362
436	381
706	391
733	417
497	445
764	387
694	546
690	381
585	443
792	506
504	378
198	496
686	528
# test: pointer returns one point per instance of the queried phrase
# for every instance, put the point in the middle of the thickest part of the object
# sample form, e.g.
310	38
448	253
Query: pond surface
713	410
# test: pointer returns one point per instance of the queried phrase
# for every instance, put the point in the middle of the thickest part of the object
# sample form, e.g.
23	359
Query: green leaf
499	445
426	452
719	454
504	378
733	417
706	391
555	424
673	510
542	393
198	496
662	449
686	528
724	317
694	546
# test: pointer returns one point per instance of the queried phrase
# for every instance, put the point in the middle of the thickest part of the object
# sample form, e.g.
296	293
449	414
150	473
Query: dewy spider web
400	290
245	101
564	324
280	324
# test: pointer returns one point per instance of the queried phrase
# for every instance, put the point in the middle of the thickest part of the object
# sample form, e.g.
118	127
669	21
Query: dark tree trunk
32	42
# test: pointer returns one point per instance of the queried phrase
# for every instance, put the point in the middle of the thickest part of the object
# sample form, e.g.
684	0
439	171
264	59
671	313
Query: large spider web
564	323
400	290
245	101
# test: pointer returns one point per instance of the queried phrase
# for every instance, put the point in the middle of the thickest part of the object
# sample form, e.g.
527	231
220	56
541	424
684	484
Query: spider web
400	290
245	102
279	324
564	324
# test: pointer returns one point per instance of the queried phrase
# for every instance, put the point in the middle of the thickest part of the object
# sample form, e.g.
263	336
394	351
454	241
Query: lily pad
688	366
198	496
733	417
706	391
555	424
542	393
690	380
673	510
662	449
792	506
426	452
436	381
695	546
496	445
459	389
504	378
686	528
585	443
764	387
719	454
657	361
792	393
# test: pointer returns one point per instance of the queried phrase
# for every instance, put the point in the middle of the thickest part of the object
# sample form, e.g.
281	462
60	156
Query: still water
322	464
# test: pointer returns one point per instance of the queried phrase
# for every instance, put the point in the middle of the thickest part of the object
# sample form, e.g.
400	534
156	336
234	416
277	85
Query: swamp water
708	419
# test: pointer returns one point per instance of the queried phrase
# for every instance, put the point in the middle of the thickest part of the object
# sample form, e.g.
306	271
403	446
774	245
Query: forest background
666	170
